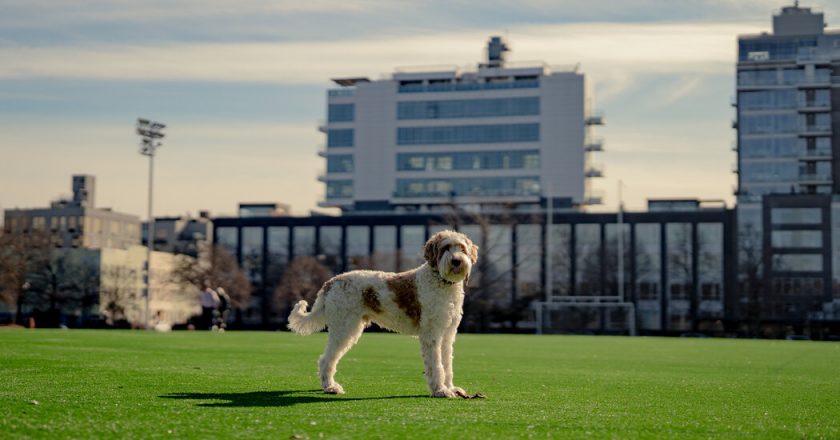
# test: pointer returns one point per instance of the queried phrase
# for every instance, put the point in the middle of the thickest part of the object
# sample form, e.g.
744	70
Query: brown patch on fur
404	289
328	285
371	300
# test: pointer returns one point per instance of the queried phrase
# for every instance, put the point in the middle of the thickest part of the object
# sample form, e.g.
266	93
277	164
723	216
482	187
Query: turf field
135	384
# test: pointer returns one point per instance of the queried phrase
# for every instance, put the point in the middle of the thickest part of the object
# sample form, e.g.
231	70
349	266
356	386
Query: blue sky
241	86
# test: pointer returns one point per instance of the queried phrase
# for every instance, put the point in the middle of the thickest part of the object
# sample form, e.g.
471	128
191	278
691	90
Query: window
780	216
480	160
340	138
807	238
468	108
798	262
341	112
468	134
228	238
340	163
339	189
479	186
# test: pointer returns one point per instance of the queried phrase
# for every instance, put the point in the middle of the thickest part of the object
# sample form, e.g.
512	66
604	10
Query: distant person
209	300
222	310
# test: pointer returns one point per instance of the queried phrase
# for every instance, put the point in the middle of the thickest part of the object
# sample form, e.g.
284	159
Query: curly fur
426	301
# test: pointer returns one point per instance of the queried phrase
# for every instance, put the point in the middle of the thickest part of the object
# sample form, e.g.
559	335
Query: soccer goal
585	314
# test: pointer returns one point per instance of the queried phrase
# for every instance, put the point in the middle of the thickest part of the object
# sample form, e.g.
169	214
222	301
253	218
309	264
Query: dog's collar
442	279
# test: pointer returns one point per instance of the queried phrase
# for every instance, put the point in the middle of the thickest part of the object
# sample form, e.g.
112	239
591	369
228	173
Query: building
263	209
76	222
788	121
678	265
185	235
503	134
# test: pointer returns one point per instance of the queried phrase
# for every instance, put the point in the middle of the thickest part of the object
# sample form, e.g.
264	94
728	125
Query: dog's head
452	254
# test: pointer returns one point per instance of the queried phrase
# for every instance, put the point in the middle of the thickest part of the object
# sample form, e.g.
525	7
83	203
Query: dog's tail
305	323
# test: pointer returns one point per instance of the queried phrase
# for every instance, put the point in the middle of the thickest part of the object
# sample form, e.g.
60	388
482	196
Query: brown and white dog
426	301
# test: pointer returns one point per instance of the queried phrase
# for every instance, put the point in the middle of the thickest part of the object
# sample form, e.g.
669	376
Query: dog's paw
459	392
443	392
334	389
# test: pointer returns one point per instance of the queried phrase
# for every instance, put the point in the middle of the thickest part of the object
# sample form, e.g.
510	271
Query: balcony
593	198
814	178
594	145
813	106
814	130
596	119
811	154
594	171
322	126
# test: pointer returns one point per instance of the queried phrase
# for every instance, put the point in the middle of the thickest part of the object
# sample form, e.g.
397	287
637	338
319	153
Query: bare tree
118	293
21	254
302	279
218	267
751	279
490	289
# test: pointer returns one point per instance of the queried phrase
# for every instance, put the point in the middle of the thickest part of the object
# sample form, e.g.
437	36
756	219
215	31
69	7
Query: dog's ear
431	251
472	251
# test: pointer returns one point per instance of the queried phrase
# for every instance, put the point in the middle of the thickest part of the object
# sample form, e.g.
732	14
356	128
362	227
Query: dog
426	301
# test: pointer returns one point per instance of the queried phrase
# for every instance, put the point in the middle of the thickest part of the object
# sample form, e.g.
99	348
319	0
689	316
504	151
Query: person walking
209	300
222	310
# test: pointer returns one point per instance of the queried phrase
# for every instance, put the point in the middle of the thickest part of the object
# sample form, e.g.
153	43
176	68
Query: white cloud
606	48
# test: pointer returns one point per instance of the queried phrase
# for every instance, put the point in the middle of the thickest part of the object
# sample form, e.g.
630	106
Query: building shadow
271	398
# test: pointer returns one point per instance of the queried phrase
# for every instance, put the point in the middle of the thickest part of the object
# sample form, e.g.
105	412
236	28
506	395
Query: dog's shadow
271	398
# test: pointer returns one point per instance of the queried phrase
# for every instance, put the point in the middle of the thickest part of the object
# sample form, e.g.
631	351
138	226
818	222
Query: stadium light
150	134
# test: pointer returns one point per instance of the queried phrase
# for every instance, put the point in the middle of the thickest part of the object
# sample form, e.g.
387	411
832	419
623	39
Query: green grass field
135	384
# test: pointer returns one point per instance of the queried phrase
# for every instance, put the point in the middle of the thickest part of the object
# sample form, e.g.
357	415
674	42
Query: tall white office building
501	135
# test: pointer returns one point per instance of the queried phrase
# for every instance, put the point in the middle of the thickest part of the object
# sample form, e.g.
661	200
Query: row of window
455	134
784	171
773	49
468	108
783	76
468	134
73	222
783	99
479	160
789	147
784	123
527	82
478	186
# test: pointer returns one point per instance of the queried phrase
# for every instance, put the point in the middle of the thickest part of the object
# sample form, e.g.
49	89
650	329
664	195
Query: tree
119	293
21	254
751	279
489	291
218	267
302	279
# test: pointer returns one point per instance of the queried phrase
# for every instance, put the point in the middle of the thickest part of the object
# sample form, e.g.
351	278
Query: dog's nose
456	262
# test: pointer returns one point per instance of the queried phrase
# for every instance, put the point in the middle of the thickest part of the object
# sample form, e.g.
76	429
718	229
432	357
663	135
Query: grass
134	384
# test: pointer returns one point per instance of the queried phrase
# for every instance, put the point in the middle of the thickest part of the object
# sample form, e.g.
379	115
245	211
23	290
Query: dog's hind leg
342	336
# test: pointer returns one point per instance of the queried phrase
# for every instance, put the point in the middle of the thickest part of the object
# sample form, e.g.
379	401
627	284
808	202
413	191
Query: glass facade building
788	93
689	253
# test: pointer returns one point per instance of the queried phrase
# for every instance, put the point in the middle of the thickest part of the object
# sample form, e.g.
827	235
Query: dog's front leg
430	346
446	354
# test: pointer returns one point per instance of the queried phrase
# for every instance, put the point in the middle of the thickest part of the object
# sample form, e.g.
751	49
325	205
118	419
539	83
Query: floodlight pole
150	133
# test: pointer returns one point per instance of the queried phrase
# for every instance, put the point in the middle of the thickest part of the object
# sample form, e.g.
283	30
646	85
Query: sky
242	87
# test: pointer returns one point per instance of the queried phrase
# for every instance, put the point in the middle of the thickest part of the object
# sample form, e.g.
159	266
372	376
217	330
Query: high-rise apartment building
788	144
500	135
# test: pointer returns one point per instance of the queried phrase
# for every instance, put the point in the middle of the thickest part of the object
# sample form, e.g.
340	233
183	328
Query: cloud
607	48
